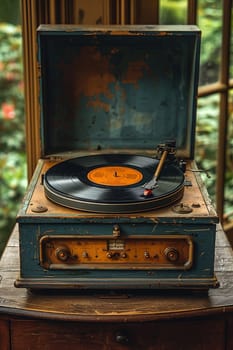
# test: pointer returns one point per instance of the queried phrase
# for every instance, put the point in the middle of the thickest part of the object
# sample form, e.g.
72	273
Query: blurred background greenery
12	134
13	180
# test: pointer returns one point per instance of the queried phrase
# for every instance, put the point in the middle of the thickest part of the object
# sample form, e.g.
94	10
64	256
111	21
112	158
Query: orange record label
115	176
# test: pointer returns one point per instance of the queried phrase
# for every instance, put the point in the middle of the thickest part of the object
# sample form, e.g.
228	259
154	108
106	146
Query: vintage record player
116	201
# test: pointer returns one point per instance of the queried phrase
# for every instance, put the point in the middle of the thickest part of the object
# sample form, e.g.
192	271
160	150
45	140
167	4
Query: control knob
171	254
62	253
109	255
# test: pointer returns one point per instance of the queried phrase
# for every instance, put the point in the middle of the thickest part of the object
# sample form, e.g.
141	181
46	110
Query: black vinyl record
112	183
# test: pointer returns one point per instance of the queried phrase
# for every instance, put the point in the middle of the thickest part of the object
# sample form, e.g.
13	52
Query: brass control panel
108	252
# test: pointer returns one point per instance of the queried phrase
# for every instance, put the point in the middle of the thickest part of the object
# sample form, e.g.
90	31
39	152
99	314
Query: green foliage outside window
12	133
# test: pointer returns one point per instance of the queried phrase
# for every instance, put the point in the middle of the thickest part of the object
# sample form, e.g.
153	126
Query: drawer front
193	335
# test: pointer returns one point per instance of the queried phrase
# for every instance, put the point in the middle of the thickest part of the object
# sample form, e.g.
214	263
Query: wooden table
116	320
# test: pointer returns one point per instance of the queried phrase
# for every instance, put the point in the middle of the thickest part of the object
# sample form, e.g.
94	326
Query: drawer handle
122	337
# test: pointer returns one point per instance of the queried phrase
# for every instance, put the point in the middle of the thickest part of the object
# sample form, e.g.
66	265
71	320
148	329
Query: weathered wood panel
4	335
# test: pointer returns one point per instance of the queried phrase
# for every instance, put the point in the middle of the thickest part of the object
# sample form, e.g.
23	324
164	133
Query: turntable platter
112	183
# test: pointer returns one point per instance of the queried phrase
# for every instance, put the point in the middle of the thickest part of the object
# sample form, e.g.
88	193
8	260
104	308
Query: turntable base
166	248
112	183
192	198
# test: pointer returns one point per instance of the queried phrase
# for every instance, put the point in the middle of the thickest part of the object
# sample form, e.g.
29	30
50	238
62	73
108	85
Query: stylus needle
153	183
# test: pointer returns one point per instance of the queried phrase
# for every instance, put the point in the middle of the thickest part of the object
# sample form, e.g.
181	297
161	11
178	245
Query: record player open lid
117	87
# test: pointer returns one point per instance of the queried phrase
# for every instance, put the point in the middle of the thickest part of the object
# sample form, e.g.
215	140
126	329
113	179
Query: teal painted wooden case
116	88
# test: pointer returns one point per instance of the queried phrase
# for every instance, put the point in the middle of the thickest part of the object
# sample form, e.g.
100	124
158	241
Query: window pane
210	23
12	119
207	140
231	47
173	12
